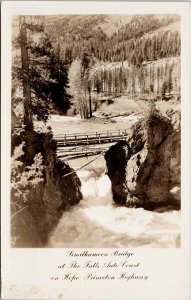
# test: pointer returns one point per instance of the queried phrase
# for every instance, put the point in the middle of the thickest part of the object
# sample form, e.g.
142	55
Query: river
97	222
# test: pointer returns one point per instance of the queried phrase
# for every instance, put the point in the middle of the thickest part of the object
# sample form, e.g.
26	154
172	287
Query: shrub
23	178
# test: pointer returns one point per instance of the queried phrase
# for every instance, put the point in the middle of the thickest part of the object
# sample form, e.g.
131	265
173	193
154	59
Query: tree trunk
90	102
26	77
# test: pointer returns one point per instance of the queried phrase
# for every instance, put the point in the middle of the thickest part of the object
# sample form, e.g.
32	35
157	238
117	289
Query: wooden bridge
76	145
89	138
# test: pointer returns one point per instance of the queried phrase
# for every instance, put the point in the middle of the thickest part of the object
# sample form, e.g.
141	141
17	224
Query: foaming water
97	222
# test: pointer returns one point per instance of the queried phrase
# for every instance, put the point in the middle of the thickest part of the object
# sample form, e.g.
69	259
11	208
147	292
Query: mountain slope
110	36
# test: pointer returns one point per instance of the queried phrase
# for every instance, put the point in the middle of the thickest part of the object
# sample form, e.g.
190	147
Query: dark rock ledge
46	200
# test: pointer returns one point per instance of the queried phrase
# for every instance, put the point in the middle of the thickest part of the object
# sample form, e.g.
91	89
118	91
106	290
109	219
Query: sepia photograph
96	131
95	118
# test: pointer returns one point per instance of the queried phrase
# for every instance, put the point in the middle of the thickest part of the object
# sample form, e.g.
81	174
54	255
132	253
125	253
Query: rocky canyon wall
145	170
47	199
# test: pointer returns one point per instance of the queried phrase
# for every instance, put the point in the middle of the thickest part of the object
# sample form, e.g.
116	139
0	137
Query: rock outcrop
145	171
46	200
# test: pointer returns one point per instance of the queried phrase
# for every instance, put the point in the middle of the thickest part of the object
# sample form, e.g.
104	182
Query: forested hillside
78	60
152	78
127	42
136	55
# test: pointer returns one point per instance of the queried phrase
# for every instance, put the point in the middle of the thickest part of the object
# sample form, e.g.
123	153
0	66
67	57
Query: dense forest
139	56
129	42
157	78
73	61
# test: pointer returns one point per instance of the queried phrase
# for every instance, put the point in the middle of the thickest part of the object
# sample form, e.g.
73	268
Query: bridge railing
91	135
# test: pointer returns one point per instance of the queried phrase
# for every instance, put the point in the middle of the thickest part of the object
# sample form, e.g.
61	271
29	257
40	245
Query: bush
23	178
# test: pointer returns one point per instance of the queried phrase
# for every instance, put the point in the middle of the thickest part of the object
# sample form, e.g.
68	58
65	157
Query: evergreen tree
25	73
59	85
44	77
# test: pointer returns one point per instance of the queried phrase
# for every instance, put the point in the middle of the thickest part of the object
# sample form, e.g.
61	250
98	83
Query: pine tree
157	79
43	71
110	82
59	85
25	74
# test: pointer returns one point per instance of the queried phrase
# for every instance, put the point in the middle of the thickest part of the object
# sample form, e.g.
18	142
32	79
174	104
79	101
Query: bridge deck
88	138
76	145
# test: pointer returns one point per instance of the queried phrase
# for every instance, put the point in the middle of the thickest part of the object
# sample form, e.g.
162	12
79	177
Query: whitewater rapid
97	222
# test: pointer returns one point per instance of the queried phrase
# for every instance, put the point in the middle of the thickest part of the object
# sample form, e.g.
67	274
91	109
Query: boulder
145	170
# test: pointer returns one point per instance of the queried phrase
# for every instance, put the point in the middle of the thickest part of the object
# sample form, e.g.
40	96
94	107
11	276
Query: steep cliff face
46	200
145	172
